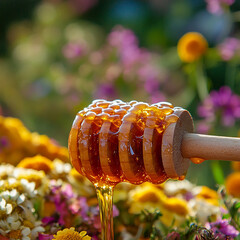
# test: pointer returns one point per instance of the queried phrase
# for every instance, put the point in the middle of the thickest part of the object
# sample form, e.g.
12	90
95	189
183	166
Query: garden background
57	56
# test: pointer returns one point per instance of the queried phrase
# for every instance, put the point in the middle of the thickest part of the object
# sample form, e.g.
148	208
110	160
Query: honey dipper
111	142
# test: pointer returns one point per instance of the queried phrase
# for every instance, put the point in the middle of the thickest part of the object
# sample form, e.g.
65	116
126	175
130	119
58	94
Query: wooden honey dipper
111	142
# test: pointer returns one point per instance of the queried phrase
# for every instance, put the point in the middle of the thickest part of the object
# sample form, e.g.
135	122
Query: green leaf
217	172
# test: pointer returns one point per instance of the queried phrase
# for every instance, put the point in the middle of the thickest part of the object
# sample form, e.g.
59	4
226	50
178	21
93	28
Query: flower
236	166
223	229
216	6
191	47
224	104
233	184
72	51
150	197
106	91
45	236
229	48
38	163
17	142
173	236
71	234
209	195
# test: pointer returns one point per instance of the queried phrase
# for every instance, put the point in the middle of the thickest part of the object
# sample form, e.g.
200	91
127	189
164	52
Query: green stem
231	74
201	81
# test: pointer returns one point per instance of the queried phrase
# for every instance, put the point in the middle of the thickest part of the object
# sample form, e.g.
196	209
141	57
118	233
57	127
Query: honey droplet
197	160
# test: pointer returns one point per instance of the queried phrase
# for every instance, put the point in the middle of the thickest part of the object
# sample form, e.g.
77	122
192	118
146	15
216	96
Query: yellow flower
191	47
148	196
209	195
233	184
71	234
37	163
22	143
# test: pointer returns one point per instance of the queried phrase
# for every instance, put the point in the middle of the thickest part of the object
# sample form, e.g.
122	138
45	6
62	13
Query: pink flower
229	48
72	51
45	236
216	6
222	103
223	229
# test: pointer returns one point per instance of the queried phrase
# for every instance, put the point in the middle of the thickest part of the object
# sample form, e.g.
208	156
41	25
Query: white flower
172	188
13	194
14	221
6	169
25	233
202	209
21	199
61	167
28	187
5	207
36	230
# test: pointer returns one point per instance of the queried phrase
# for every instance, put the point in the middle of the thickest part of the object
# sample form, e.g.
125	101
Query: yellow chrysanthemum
37	163
233	184
191	46
21	143
71	234
209	195
151	197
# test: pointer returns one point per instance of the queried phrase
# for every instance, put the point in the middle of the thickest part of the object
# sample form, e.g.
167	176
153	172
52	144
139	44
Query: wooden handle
210	147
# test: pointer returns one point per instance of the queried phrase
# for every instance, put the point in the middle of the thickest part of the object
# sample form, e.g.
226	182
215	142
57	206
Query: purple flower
126	43
157	96
106	91
216	6
223	103
222	228
72	51
173	236
229	48
45	236
48	220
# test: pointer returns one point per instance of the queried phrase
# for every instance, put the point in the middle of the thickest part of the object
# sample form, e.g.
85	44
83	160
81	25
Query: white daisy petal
26	231
21	199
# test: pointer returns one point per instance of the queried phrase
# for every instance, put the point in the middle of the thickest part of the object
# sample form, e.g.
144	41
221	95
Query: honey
197	160
112	142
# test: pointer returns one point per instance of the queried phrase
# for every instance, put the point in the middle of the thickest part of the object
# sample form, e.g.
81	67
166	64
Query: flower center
15	234
195	48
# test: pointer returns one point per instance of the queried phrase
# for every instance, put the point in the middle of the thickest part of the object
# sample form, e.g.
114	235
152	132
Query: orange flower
233	184
37	163
236	166
191	47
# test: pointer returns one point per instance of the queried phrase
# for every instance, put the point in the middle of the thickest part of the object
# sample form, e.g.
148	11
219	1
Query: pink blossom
45	236
222	103
216	6
229	48
72	51
223	229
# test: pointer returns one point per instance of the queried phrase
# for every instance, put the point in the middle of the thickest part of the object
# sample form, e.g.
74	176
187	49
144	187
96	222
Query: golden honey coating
114	141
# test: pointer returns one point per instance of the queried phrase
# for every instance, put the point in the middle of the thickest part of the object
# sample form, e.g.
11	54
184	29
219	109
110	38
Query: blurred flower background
57	56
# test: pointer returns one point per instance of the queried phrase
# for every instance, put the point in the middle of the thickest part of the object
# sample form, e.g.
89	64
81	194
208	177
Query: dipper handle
210	147
180	144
